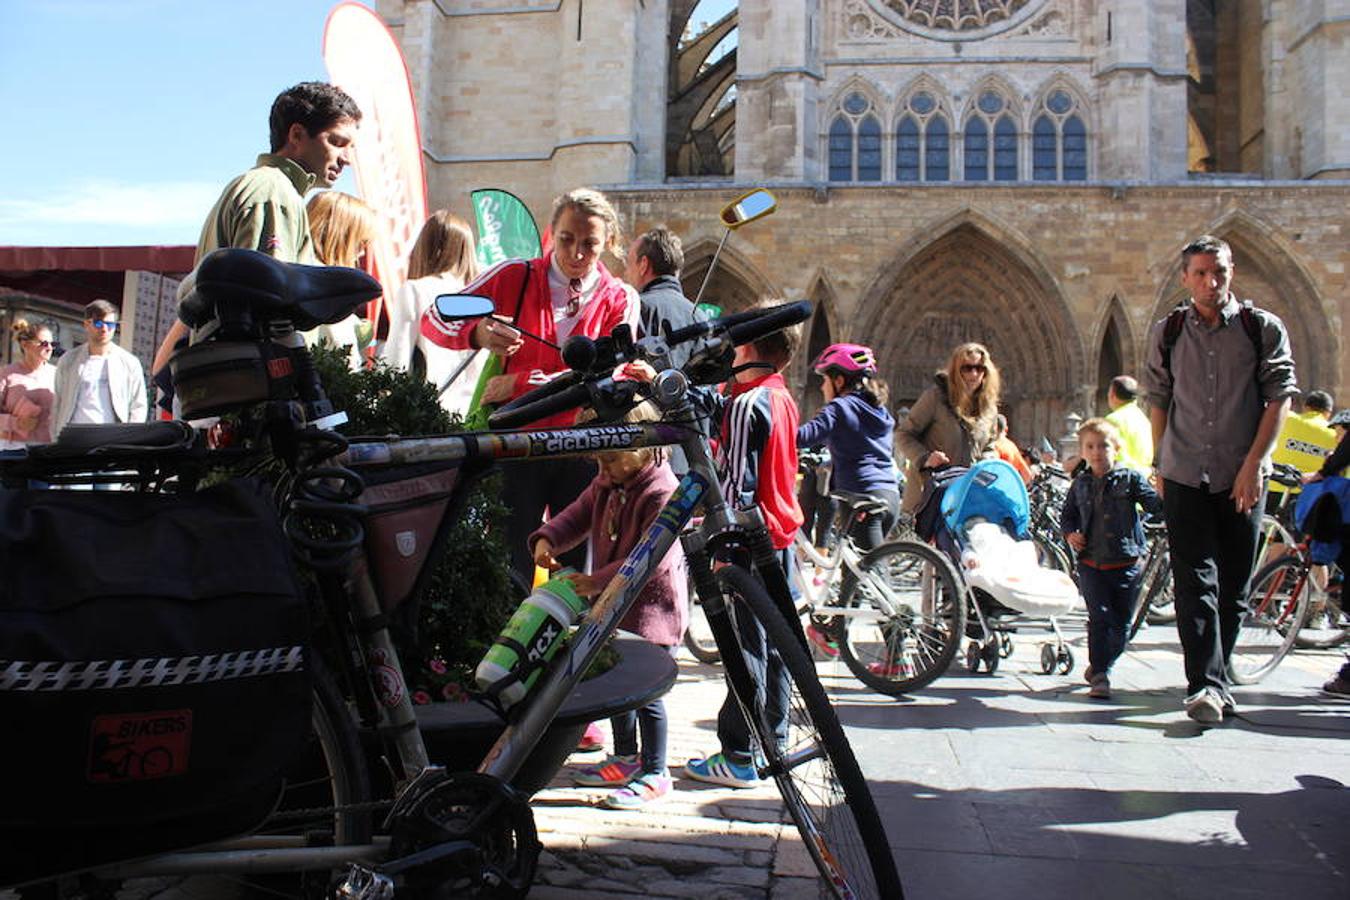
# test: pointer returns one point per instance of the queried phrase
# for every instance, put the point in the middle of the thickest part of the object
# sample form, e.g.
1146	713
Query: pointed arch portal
973	284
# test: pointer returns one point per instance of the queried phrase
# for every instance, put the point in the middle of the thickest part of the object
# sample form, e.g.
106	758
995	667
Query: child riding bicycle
858	429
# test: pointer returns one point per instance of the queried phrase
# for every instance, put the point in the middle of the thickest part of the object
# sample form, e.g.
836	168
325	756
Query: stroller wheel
1065	661
1005	645
973	656
990	652
1048	658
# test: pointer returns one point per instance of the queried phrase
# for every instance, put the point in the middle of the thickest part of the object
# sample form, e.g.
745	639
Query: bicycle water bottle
529	641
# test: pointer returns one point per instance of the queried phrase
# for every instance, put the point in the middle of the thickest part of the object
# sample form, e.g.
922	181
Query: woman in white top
442	262
343	228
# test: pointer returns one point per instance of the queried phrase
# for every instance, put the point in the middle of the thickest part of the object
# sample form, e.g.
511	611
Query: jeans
1109	594
772	685
871	531
1212	547
651	722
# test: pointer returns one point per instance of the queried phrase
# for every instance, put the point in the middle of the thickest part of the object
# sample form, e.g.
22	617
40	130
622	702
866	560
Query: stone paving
1013	785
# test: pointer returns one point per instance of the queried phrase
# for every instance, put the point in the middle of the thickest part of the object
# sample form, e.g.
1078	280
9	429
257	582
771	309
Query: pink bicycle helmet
846	358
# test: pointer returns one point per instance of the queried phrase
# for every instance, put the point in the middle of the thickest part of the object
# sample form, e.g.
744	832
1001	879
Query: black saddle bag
153	674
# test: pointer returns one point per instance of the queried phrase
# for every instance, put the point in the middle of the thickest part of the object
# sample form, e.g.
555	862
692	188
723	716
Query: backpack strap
1176	319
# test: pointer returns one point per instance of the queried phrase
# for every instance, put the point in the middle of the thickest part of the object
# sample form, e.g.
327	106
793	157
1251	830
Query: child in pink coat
614	511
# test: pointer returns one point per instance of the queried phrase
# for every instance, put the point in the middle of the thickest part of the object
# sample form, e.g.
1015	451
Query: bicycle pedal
362	883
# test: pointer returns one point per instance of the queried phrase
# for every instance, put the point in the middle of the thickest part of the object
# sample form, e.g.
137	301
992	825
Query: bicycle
1154	604
1047	492
466	833
893	614
1276	608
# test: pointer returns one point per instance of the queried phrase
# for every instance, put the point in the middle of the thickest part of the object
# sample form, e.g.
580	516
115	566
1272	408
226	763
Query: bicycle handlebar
582	387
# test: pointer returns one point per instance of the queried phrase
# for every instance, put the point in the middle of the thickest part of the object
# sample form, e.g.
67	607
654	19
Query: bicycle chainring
483	811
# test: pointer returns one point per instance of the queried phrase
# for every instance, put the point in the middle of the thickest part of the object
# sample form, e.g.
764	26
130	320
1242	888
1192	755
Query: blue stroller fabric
992	490
1323	512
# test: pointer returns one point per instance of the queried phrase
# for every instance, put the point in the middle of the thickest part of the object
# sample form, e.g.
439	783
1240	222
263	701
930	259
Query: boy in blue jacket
1101	522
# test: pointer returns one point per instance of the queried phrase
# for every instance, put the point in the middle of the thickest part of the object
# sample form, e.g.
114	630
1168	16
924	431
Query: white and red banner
364	60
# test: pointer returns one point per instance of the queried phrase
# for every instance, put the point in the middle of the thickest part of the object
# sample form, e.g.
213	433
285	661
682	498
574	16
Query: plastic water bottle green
529	640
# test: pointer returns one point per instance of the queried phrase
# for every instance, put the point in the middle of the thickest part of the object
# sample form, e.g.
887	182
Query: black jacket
664	303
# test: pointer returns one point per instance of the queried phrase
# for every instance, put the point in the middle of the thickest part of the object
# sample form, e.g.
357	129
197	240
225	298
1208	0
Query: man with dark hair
1219	377
1136	432
653	267
1317	403
98	382
313	129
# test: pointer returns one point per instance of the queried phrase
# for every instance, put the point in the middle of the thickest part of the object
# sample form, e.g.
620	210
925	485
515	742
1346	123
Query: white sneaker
1205	706
1226	700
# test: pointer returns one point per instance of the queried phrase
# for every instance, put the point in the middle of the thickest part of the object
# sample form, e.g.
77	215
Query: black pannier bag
153	678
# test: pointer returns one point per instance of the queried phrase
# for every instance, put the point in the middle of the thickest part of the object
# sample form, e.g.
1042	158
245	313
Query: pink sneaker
592	740
614	771
821	642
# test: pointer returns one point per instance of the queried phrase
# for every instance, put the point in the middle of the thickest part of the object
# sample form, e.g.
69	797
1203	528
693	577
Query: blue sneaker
717	769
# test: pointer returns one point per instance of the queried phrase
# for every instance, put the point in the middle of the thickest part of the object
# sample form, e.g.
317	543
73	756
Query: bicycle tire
1310	638
1160	608
906	650
1274	611
698	636
331	775
816	772
1154	584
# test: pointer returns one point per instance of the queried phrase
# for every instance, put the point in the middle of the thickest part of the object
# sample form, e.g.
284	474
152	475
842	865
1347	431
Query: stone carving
952	15
861	23
1052	24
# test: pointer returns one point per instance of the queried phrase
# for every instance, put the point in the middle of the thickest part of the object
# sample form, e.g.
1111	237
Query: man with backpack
1219	377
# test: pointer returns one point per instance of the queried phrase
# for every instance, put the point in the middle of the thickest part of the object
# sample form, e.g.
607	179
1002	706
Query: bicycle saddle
86	440
306	296
862	503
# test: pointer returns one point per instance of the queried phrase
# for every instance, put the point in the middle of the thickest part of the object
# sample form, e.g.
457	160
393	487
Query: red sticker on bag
139	746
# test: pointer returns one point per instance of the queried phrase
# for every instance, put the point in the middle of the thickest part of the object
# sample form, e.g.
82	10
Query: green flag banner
506	230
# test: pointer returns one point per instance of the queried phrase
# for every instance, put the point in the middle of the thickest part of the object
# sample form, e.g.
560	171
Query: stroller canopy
992	490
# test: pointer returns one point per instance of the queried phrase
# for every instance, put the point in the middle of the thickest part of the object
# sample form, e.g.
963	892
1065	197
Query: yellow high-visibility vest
1304	442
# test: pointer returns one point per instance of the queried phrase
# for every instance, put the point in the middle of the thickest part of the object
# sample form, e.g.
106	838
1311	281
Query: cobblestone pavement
1014	785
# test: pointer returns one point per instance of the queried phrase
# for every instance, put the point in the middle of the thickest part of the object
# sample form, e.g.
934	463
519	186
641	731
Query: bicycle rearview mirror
742	211
755	205
463	306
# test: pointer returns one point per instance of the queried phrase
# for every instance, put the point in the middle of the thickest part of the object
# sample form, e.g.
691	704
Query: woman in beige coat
953	421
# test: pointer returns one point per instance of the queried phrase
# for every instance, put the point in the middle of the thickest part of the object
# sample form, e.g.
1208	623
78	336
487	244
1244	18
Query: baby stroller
979	518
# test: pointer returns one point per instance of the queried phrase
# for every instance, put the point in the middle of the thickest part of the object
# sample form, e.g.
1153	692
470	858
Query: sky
125	118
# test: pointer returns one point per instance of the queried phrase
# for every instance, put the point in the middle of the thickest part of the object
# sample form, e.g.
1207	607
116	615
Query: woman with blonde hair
442	262
567	291
342	228
28	389
954	421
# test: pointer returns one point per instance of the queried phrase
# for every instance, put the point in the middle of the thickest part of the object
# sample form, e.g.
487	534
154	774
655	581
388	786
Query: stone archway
736	284
975	281
1267	272
1115	353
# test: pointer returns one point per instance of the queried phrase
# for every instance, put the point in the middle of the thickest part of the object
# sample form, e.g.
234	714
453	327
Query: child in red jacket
756	456
614	512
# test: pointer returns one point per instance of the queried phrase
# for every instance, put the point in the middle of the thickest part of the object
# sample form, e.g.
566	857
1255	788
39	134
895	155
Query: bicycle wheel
1274	611
815	770
904	621
330	778
1325	624
1159	608
1155	587
698	637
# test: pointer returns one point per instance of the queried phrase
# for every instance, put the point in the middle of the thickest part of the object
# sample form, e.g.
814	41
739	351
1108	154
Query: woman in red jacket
565	292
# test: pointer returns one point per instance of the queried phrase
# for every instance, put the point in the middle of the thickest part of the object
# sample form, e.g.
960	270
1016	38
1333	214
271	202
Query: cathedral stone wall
1060	278
1037	273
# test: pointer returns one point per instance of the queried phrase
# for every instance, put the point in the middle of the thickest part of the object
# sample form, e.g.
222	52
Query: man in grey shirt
1216	405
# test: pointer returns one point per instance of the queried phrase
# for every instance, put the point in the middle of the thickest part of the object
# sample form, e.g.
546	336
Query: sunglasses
104	323
973	368
45	345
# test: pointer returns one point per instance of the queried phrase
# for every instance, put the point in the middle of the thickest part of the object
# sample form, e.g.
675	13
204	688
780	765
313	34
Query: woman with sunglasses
954	421
27	389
